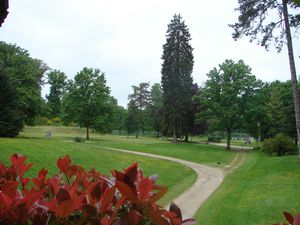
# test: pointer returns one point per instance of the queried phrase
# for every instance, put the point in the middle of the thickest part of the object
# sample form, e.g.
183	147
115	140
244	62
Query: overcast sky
124	38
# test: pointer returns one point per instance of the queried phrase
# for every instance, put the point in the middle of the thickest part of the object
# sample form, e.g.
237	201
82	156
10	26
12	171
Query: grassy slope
256	193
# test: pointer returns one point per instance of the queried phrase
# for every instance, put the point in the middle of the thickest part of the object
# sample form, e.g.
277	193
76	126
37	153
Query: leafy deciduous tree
25	74
226	95
88	100
254	21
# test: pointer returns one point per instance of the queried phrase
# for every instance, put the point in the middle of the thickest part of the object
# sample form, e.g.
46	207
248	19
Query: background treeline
228	101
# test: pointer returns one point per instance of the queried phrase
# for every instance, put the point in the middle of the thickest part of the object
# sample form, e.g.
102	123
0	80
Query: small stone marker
48	134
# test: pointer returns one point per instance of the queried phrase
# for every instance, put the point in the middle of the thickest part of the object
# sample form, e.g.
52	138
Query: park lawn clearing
256	193
194	152
45	152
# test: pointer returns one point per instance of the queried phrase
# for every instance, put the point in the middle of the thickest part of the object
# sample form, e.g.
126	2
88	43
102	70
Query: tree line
231	99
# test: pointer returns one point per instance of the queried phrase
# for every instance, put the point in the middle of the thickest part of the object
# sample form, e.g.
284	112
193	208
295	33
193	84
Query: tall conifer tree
177	68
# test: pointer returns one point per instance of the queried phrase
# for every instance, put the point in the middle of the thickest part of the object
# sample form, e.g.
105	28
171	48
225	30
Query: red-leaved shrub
78	197
291	219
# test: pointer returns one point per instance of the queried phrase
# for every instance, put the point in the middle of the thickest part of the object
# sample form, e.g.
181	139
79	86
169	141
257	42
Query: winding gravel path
208	179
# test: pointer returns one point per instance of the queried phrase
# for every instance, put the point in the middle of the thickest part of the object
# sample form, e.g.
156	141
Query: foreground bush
280	145
78	197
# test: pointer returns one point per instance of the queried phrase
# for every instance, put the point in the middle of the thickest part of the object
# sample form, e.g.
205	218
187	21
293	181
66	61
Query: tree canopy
226	94
88	101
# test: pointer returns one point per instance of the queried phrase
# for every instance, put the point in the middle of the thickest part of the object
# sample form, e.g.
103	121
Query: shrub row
280	145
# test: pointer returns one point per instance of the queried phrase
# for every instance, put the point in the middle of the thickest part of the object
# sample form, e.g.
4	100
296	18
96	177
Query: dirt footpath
208	179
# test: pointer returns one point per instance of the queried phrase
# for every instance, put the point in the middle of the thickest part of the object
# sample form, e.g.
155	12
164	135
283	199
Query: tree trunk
137	134
228	131
174	136
295	89
87	133
186	139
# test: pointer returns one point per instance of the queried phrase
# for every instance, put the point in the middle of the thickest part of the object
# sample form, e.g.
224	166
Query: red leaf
90	210
120	202
131	172
144	189
39	182
2	169
133	217
5	201
10	188
18	162
175	209
63	164
125	179
107	198
156	218
42	174
159	195
94	191
297	220
63	195
126	191
105	221
289	217
67	207
31	197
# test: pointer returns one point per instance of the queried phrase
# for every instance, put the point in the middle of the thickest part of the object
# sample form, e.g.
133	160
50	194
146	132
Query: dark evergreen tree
255	21
132	120
276	111
57	81
177	68
11	120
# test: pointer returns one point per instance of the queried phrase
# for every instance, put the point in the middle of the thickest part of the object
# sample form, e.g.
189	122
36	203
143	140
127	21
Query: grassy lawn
256	193
201	153
45	152
195	152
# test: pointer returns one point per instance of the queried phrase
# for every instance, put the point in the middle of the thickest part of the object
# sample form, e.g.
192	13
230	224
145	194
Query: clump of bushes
280	145
215	139
79	139
75	196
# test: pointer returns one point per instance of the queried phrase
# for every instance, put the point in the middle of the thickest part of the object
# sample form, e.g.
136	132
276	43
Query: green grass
195	152
256	193
44	153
